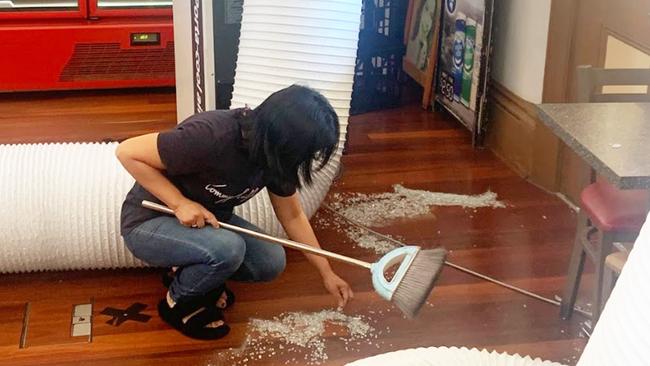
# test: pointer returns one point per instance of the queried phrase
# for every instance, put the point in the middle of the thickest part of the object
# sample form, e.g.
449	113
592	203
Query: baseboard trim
512	103
511	129
518	137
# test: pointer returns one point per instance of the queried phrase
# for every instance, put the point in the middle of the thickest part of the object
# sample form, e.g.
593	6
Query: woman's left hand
338	287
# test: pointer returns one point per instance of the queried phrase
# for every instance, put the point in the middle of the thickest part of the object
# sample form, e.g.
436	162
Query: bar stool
607	216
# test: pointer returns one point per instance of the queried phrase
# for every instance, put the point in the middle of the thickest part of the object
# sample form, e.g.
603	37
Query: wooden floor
526	244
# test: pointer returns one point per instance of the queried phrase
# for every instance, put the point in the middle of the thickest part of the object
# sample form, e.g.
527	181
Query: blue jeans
206	257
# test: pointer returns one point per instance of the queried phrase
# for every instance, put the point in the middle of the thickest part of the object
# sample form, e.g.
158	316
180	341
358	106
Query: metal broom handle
287	243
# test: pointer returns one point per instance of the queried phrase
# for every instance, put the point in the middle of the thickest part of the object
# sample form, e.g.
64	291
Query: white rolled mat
60	203
311	43
449	356
60	207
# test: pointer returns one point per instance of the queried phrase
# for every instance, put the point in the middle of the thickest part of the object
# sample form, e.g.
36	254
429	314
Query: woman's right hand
192	214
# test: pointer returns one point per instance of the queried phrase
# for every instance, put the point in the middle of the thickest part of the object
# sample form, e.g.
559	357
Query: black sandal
211	297
197	325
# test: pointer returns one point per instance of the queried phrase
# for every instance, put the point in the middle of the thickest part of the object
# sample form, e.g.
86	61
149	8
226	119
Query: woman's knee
228	251
274	264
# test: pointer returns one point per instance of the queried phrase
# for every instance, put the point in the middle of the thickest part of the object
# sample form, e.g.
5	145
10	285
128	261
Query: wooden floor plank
11	324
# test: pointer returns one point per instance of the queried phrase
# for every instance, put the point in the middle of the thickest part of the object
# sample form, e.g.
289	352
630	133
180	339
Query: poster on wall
465	40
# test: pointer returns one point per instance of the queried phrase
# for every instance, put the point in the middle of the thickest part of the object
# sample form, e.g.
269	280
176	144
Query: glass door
30	9
102	8
22	5
133	4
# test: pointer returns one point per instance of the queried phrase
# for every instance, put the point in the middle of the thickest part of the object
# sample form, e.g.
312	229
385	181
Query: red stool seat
612	209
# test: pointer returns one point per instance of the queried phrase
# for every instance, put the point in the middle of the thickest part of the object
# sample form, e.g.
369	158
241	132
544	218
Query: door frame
561	33
559	73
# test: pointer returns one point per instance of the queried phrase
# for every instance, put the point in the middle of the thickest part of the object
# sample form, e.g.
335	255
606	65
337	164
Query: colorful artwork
421	32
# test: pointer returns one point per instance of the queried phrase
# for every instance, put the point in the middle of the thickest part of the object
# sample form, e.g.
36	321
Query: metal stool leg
604	249
609	279
575	269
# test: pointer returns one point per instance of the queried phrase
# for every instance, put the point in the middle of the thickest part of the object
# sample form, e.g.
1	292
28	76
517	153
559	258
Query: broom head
414	279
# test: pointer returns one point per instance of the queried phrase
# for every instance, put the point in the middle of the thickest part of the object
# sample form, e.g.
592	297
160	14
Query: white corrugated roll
61	207
61	202
450	356
309	42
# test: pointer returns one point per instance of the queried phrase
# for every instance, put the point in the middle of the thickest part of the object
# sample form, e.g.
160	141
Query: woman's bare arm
140	157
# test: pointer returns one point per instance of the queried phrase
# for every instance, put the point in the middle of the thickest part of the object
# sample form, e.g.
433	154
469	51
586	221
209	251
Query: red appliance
83	44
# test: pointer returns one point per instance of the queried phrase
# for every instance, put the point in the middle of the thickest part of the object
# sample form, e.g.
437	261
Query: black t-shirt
205	158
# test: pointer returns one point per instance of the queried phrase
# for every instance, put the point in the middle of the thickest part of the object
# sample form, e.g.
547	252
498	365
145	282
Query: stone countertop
614	138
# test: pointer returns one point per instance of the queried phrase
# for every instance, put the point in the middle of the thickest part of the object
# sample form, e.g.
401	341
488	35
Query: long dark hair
292	134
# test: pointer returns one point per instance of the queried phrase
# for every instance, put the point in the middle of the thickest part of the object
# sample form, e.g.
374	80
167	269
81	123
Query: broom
408	289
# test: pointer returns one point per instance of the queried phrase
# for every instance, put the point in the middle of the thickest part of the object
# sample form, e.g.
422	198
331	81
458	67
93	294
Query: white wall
520	36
